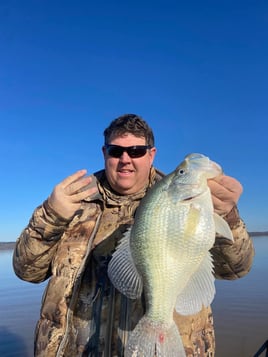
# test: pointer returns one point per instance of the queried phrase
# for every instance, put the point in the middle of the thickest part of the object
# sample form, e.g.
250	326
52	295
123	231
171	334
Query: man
71	236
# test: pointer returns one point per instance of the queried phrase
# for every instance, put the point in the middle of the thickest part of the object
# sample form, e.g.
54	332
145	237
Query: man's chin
124	189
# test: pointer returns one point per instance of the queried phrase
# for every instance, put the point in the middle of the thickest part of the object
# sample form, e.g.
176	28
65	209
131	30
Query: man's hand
66	197
225	192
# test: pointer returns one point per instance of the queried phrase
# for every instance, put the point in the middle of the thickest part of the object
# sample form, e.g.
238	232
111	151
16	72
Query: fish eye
181	172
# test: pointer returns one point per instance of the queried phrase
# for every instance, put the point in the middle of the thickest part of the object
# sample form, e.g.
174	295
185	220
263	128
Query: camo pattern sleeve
233	260
37	243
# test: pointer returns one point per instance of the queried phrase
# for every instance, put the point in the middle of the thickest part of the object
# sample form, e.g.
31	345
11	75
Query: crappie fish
166	255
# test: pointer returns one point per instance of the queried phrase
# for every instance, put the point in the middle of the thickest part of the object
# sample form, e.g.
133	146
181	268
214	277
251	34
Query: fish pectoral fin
122	271
222	227
199	291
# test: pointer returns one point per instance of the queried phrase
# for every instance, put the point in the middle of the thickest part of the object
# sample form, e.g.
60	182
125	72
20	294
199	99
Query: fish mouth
189	198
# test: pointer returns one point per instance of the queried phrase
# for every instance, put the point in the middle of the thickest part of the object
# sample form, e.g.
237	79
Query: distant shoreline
7	245
258	234
11	245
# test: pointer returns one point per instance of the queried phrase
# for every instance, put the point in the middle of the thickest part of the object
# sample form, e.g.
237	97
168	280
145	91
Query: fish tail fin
152	339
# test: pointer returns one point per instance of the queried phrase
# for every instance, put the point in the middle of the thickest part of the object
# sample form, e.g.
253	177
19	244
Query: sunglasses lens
136	152
115	151
133	151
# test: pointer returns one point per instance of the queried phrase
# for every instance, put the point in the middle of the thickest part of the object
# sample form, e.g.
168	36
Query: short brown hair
129	123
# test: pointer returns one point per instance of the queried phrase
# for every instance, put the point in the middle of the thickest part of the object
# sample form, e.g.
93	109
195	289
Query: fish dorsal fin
122	271
222	227
200	289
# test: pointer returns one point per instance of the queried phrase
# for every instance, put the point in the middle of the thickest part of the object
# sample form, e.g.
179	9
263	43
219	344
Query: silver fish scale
174	249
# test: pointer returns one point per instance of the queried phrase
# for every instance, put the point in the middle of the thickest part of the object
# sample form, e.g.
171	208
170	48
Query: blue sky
195	70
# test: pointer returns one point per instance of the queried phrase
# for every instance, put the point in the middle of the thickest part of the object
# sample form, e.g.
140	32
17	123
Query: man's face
128	175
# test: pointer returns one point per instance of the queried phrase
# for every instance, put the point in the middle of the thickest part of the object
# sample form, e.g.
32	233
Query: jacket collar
105	192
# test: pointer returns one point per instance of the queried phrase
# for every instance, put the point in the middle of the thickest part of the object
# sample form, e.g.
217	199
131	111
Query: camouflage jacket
82	314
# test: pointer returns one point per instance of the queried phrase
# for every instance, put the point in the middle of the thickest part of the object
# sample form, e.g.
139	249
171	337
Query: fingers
76	186
227	182
72	178
80	196
225	192
220	191
66	197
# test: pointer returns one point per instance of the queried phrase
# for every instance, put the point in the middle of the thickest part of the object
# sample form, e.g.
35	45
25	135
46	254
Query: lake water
240	310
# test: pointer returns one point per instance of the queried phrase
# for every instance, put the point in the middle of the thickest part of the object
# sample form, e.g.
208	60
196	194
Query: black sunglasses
132	151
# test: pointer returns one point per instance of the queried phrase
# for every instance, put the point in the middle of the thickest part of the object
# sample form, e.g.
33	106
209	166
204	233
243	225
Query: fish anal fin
199	291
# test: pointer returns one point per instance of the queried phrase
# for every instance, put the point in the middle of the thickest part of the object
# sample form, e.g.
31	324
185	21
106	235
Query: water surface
240	309
19	310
